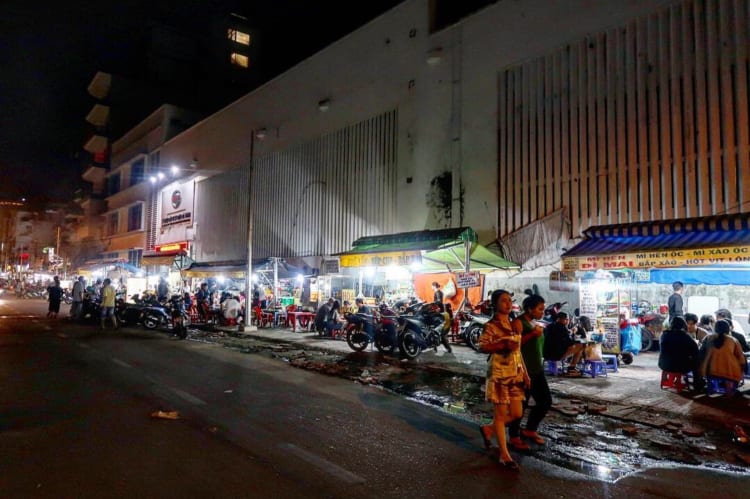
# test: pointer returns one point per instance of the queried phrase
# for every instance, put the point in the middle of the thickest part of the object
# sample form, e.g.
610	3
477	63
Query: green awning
403	248
410	241
452	258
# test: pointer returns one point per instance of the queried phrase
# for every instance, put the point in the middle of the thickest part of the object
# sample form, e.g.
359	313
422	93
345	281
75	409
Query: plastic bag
449	291
630	339
593	351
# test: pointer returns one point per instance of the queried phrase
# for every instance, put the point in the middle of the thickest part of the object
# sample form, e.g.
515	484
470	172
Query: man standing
162	290
108	303
75	308
54	295
437	295
675	301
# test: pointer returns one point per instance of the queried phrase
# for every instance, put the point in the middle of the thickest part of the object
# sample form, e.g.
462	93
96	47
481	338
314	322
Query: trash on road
165	415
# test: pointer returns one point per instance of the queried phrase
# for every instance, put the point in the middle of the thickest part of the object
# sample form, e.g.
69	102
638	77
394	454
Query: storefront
168	261
399	266
629	268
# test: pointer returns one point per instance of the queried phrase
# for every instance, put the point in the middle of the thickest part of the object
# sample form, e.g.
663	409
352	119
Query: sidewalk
631	394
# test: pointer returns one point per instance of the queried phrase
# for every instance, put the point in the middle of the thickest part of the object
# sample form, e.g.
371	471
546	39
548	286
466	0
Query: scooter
424	329
379	329
470	326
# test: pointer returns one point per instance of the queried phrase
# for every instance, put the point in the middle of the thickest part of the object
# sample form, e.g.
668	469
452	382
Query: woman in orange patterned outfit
506	374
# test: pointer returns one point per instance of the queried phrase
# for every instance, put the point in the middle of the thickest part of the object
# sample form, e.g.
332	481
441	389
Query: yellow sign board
660	259
381	259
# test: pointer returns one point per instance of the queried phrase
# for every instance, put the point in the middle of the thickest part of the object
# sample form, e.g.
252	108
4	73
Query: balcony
100	85
99	115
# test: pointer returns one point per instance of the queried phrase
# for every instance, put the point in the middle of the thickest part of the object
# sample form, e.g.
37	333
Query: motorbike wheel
384	344
356	339
647	340
409	345
472	336
150	322
627	358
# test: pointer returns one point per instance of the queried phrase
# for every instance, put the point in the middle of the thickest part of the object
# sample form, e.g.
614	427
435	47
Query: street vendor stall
399	266
629	268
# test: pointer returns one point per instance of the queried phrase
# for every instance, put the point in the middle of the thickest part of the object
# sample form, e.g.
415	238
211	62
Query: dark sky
49	52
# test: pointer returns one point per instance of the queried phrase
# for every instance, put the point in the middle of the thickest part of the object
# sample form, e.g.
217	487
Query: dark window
135	217
134	257
137	172
113	184
112	222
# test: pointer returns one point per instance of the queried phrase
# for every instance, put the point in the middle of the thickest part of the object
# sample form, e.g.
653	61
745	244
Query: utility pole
249	270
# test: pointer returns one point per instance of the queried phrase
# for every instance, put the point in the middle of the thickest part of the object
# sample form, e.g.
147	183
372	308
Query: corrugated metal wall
646	121
316	198
219	217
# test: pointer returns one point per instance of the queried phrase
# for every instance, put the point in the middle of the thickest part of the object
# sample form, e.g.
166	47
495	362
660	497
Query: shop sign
381	259
662	259
562	281
468	279
177	204
164	248
331	266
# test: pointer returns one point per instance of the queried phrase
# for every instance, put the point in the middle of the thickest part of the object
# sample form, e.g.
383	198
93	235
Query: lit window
238	36
240	60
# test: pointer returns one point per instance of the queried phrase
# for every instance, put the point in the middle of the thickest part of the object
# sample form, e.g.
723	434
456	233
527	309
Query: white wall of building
447	109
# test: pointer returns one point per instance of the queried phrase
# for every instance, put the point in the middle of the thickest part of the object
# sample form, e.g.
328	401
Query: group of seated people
562	343
718	353
331	316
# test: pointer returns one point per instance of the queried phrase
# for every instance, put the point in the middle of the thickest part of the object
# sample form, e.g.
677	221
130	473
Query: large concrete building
529	121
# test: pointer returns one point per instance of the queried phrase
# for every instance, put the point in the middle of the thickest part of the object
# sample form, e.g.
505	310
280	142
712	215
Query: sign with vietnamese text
661	259
468	279
381	259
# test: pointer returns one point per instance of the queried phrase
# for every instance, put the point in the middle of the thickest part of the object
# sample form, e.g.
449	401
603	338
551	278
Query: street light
260	134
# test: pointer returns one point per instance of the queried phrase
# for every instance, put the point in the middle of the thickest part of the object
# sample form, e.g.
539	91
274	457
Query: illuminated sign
661	259
171	247
177	204
381	259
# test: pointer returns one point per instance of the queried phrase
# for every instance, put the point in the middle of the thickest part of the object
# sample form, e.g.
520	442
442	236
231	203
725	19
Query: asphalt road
75	406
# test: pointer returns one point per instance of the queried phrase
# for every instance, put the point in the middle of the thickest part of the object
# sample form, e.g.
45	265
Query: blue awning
603	245
709	242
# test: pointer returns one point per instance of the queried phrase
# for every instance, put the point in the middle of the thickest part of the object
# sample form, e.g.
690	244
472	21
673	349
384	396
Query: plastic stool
678	381
721	385
595	368
610	362
553	367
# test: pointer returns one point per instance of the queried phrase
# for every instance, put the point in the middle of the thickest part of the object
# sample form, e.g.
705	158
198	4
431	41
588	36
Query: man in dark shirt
675	301
559	343
321	316
678	352
361	307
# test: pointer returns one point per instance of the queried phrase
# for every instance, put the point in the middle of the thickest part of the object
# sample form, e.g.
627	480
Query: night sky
49	52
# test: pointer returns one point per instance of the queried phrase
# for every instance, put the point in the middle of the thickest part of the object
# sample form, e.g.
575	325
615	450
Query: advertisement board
468	279
177	204
662	259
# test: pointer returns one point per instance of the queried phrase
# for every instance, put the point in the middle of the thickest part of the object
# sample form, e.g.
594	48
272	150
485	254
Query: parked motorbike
170	315
470	326
380	329
90	308
424	329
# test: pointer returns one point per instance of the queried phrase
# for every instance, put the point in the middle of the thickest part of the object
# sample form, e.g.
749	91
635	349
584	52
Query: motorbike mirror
577	312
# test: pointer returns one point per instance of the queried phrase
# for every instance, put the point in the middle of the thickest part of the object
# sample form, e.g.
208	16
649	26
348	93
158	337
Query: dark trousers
542	402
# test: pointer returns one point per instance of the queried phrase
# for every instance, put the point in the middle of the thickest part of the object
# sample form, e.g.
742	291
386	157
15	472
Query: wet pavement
605	427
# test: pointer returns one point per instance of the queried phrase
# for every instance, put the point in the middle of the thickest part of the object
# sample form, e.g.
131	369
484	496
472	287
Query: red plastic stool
678	381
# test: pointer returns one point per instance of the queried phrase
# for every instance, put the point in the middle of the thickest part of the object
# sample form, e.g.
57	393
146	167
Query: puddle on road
595	445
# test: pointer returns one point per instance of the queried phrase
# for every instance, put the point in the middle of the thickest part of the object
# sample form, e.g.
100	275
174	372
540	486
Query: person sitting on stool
559	343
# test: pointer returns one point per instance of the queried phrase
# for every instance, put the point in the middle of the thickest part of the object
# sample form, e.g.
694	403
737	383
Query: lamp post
259	133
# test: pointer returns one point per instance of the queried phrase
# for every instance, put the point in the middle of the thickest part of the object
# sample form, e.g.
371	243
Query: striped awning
718	240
